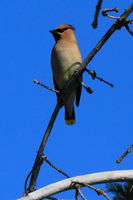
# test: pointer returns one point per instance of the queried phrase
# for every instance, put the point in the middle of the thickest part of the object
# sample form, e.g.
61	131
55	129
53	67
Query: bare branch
105	13
93	75
127	12
46	87
25	184
125	154
128	29
117	25
76	194
88	89
98	8
81	194
91	179
70	87
56	168
78	191
38	161
98	191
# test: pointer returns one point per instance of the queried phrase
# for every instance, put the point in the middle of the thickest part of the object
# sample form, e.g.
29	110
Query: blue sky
104	119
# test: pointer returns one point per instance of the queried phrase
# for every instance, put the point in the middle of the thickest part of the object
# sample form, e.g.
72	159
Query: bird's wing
78	94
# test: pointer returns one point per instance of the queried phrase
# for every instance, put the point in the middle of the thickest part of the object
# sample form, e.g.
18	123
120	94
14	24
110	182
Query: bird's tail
69	116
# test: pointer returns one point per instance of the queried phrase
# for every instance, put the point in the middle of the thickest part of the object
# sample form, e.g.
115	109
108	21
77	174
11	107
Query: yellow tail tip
70	122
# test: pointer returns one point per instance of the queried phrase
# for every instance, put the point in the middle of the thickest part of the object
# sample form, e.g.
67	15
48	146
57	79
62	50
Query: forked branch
70	87
91	179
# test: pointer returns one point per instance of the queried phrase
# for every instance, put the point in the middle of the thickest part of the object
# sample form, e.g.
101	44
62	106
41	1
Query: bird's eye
61	30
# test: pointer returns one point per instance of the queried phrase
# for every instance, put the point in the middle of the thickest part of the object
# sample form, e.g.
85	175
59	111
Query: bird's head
65	32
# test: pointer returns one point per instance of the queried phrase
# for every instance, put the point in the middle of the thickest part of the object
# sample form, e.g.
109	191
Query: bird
65	59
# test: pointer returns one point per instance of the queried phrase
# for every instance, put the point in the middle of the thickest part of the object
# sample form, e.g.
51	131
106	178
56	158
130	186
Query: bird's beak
53	31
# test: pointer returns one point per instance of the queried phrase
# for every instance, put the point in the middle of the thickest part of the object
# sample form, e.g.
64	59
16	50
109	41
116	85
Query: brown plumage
65	59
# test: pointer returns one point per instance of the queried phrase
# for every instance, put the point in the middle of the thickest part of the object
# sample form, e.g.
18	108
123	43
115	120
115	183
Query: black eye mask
61	30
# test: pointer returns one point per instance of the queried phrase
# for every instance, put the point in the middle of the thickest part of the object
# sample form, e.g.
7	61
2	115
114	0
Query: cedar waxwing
65	59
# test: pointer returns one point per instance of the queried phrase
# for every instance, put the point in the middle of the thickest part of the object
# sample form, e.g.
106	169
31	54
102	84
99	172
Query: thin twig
105	13
88	89
46	87
78	191
70	87
56	168
129	30
125	154
98	191
76	194
63	173
93	75
102	80
45	158
98	8
26	181
81	194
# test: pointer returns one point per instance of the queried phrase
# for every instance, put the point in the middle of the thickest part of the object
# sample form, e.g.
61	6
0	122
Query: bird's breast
65	60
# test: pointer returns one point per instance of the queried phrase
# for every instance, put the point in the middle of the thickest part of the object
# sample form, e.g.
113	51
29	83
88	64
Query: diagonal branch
94	76
128	29
80	193
125	154
56	168
70	87
38	161
46	87
88	89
